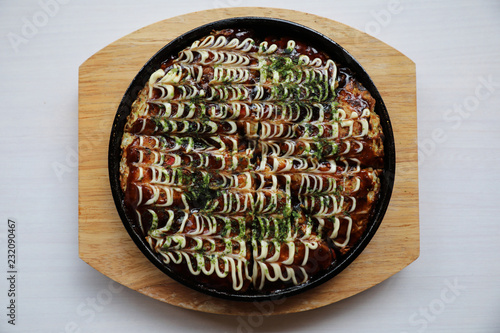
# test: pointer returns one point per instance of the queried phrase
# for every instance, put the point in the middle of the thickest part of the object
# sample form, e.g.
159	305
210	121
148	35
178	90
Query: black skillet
261	26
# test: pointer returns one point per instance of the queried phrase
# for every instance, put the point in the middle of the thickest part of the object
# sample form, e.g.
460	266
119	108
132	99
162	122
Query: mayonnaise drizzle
285	115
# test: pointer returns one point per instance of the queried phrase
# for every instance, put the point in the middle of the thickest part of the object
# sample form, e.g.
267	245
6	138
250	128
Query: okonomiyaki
251	164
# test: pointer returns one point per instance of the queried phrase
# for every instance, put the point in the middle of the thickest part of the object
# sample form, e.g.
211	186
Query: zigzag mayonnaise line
251	164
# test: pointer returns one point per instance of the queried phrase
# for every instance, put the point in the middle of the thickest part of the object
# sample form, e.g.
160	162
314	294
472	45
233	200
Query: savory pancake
251	164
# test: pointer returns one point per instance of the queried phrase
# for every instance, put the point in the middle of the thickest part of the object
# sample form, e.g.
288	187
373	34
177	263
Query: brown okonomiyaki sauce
251	164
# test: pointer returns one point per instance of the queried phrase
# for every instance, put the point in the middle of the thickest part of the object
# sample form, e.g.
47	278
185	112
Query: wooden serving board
105	244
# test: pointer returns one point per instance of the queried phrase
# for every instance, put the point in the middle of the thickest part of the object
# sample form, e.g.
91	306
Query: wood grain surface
105	244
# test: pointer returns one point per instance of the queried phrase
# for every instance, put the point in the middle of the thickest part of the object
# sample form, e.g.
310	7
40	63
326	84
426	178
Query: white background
453	287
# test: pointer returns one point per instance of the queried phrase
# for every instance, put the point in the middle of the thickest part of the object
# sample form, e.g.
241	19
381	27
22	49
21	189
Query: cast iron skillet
264	26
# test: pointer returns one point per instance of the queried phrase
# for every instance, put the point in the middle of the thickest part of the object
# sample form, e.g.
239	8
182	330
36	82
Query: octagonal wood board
105	244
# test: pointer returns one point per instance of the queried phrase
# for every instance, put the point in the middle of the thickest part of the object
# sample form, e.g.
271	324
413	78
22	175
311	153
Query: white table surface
453	287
